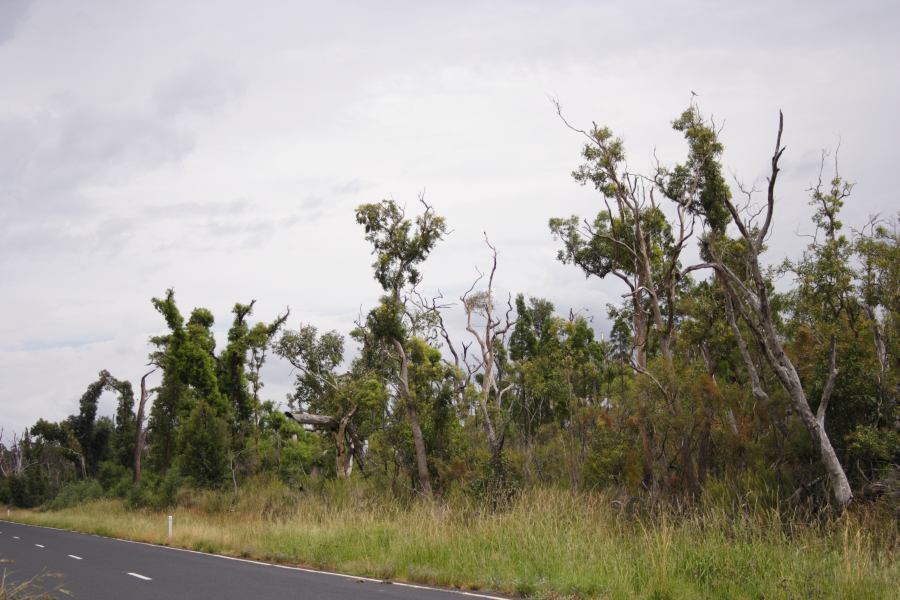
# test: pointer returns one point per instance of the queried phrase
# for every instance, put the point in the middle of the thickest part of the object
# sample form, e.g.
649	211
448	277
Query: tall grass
31	589
547	544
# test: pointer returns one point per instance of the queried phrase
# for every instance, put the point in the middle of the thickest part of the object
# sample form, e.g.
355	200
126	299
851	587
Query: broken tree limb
317	421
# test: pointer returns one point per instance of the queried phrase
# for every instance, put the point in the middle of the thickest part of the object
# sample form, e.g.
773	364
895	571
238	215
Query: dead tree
489	336
140	434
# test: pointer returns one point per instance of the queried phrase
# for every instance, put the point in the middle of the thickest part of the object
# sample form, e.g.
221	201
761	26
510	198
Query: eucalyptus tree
878	291
347	405
632	239
400	245
750	292
823	301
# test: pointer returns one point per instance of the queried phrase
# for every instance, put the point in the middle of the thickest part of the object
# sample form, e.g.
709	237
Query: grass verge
549	544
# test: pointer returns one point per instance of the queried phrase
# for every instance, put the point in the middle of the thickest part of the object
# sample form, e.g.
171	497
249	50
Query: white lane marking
261	563
139	576
15	537
75	557
39	545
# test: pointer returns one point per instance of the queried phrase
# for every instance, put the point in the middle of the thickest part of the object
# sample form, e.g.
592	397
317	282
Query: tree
490	335
400	246
347	405
633	241
187	358
203	446
140	433
751	298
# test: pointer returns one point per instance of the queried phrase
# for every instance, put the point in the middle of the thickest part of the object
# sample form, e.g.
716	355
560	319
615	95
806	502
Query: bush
114	478
20	493
605	464
76	493
498	485
203	447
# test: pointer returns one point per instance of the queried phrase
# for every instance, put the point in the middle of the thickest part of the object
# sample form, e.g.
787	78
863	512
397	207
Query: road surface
97	568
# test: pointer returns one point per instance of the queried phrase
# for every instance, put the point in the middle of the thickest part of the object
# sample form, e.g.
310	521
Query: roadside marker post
170	527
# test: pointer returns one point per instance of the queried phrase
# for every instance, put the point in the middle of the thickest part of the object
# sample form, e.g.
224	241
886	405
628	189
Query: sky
219	148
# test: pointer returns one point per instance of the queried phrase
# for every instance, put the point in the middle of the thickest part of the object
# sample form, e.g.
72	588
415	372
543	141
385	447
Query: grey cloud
354	186
182	210
200	90
12	13
41	345
57	152
49	161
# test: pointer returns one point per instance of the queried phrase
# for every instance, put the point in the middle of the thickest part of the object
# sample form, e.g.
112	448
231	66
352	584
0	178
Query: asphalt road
98	568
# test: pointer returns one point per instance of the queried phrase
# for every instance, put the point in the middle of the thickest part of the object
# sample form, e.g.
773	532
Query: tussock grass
547	544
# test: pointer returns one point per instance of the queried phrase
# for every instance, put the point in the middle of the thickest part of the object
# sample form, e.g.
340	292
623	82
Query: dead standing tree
140	433
490	336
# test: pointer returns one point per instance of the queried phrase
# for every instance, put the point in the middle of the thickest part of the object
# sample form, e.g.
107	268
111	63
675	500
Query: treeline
777	378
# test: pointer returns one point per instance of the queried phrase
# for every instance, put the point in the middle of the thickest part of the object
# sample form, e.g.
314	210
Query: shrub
114	478
76	493
203	446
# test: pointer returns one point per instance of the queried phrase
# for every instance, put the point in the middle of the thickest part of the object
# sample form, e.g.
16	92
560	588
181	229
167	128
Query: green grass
549	544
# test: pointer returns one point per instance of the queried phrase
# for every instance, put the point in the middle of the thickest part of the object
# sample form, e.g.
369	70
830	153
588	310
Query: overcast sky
220	147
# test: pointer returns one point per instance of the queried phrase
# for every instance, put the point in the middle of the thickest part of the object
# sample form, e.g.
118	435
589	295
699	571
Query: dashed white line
75	557
39	545
265	564
15	537
139	576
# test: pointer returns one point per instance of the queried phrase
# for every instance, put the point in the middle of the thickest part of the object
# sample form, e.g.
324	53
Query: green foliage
399	245
698	183
232	365
875	447
660	410
497	485
606	462
203	446
75	493
114	478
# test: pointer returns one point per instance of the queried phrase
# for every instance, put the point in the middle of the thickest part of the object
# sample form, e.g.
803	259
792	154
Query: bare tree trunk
881	353
140	434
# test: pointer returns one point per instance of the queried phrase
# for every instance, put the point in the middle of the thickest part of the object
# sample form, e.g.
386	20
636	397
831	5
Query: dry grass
549	544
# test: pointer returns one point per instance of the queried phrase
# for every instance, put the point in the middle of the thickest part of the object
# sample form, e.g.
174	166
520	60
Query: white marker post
170	527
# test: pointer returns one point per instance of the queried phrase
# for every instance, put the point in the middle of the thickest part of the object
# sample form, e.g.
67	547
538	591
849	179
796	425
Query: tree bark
140	435
338	428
